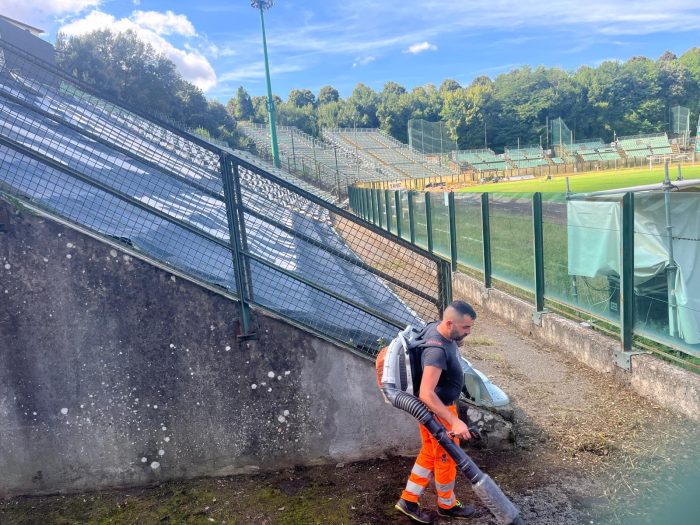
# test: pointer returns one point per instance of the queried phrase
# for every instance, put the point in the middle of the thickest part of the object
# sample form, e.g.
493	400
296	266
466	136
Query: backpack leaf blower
398	367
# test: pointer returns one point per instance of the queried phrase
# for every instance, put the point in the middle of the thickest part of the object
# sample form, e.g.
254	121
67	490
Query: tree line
613	98
124	68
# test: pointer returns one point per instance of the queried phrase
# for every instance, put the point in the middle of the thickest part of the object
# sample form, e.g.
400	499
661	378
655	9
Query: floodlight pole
262	5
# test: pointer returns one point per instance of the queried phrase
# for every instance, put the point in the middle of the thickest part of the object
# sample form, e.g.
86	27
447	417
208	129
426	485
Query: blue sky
217	43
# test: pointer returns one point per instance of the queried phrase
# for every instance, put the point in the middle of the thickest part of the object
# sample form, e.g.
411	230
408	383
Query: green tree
328	94
241	106
301	97
303	117
426	103
361	106
121	66
331	114
449	85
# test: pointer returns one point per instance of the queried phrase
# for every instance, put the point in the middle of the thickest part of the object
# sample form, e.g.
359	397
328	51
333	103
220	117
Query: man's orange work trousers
433	461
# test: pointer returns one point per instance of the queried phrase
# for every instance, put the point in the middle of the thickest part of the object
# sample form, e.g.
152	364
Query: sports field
587	182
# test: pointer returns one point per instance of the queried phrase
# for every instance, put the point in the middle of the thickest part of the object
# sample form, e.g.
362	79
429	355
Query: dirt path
588	451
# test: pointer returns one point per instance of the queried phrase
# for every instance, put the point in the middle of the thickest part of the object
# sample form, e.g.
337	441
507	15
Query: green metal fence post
627	272
234	216
363	202
360	202
453	229
429	220
387	206
399	218
380	207
368	204
375	209
445	291
378	204
412	215
486	236
538	232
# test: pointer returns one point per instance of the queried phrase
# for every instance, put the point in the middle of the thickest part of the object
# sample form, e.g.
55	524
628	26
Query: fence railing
564	249
213	215
467	176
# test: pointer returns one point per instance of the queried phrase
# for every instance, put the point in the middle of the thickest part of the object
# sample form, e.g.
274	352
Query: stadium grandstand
313	158
216	215
394	159
526	157
590	151
645	145
481	160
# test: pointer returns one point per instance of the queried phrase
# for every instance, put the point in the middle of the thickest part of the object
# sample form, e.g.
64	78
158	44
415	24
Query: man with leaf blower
441	380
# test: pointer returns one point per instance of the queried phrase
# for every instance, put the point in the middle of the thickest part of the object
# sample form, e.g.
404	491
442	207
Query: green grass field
587	182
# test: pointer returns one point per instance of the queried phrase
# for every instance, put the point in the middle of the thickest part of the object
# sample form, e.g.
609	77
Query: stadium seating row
394	159
644	146
307	153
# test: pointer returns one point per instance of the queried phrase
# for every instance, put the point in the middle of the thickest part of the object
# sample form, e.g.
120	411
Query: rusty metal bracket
623	359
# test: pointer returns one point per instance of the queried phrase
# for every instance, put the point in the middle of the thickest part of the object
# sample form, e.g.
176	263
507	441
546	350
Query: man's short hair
464	308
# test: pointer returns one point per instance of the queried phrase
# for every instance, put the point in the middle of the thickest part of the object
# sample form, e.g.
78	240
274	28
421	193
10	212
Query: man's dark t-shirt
442	353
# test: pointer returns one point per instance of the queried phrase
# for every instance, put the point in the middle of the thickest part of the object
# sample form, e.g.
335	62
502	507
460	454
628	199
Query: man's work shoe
459	511
413	511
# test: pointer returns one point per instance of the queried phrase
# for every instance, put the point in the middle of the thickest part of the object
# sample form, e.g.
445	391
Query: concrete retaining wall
662	382
114	372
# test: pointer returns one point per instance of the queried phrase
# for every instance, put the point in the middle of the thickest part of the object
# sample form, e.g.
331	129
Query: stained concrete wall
666	384
115	372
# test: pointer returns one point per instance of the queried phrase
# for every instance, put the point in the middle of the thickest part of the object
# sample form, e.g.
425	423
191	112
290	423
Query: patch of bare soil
588	451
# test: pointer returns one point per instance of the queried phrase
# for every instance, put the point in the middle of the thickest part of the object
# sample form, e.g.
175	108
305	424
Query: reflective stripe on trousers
432	461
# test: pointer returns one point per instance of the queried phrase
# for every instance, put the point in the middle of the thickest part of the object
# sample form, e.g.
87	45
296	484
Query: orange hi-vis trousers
433	461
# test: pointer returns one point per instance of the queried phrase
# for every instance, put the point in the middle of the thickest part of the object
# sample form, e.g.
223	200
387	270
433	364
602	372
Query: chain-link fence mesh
430	138
560	132
680	120
680	124
206	211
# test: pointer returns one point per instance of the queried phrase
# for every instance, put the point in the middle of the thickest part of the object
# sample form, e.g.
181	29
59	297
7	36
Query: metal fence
209	212
680	124
560	132
549	170
564	249
430	138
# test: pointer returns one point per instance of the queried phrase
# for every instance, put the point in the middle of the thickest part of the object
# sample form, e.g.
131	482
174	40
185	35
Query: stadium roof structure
33	30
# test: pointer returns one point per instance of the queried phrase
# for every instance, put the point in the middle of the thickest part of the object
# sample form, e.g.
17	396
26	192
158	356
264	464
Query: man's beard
458	340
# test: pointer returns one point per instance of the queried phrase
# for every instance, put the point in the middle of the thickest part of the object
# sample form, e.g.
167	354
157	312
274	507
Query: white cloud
167	23
92	22
41	13
598	16
217	51
191	64
363	61
256	71
419	48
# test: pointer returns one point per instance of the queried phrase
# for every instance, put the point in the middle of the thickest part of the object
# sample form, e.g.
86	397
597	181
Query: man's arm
431	375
